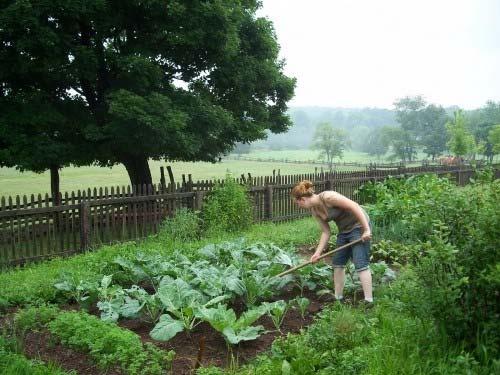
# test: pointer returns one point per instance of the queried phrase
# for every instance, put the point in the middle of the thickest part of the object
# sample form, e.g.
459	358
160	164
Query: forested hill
356	121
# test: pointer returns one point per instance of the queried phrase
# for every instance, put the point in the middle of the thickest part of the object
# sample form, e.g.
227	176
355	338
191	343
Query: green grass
12	362
13	182
307	154
349	156
17	364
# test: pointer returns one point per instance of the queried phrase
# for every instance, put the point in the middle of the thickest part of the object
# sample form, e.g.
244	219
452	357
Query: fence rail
36	228
323	163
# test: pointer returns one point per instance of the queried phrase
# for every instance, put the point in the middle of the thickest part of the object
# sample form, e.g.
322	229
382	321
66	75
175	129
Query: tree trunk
54	185
138	170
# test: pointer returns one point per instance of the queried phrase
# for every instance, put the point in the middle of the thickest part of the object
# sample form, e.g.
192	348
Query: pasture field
308	154
13	182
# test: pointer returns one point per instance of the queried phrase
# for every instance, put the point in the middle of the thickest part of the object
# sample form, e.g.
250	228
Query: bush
183	227
454	242
227	208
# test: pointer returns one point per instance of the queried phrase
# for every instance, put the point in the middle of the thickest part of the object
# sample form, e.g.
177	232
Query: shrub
184	226
227	208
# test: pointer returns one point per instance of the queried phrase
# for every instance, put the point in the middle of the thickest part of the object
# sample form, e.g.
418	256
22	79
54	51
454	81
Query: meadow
13	182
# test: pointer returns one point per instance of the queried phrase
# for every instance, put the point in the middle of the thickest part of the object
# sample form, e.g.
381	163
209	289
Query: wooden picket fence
42	227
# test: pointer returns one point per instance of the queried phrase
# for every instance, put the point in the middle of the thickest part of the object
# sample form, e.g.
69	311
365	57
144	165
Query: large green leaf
232	280
249	317
110	310
106	281
178	294
129	265
219	317
166	328
131	307
283	258
245	334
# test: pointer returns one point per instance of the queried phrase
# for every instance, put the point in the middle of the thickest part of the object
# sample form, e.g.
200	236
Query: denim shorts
359	253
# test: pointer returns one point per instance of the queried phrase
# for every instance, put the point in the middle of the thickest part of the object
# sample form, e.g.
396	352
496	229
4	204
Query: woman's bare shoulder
331	196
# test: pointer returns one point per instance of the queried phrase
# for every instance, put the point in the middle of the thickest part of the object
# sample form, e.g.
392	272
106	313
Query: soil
41	345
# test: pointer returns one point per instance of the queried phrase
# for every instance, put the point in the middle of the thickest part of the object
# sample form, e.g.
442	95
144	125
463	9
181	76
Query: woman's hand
367	235
315	256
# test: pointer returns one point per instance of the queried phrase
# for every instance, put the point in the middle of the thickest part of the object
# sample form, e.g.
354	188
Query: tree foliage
461	142
121	82
331	142
494	139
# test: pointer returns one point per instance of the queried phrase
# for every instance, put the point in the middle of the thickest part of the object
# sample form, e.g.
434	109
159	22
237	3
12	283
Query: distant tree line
414	125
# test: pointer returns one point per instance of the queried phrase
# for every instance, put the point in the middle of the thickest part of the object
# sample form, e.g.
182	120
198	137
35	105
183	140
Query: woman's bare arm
325	237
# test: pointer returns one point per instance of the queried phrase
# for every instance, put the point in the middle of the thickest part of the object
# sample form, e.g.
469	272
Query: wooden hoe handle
321	257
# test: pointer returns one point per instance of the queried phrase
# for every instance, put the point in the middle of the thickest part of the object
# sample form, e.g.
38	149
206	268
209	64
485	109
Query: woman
352	223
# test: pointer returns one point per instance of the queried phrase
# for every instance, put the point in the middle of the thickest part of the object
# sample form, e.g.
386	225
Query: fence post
198	200
84	225
162	179
269	202
459	177
328	185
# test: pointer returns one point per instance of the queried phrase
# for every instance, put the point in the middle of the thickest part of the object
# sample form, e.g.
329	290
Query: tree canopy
112	82
461	141
331	142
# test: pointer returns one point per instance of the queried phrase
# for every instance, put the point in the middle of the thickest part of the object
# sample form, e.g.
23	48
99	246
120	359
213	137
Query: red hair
303	189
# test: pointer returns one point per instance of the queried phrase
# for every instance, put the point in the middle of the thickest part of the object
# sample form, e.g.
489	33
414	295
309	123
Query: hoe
321	257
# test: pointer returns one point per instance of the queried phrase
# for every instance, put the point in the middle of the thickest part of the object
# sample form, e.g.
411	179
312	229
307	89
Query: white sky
367	53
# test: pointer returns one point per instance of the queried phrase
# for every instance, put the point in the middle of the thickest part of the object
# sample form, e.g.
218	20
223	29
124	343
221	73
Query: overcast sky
367	53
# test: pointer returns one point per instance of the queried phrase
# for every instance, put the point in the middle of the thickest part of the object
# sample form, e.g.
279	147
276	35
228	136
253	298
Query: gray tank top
346	220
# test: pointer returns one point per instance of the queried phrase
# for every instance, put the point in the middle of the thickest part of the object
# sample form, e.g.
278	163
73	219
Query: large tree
433	131
44	136
330	142
399	143
376	142
408	114
461	141
494	139
481	122
182	80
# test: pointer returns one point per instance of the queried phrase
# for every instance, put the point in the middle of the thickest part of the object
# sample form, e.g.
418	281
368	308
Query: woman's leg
339	261
361	260
339	281
365	277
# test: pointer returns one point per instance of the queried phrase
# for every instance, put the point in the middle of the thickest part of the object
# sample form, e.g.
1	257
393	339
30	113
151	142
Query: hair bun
307	184
304	188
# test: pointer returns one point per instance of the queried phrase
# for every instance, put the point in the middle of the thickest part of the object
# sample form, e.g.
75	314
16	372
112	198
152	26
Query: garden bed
41	345
187	347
